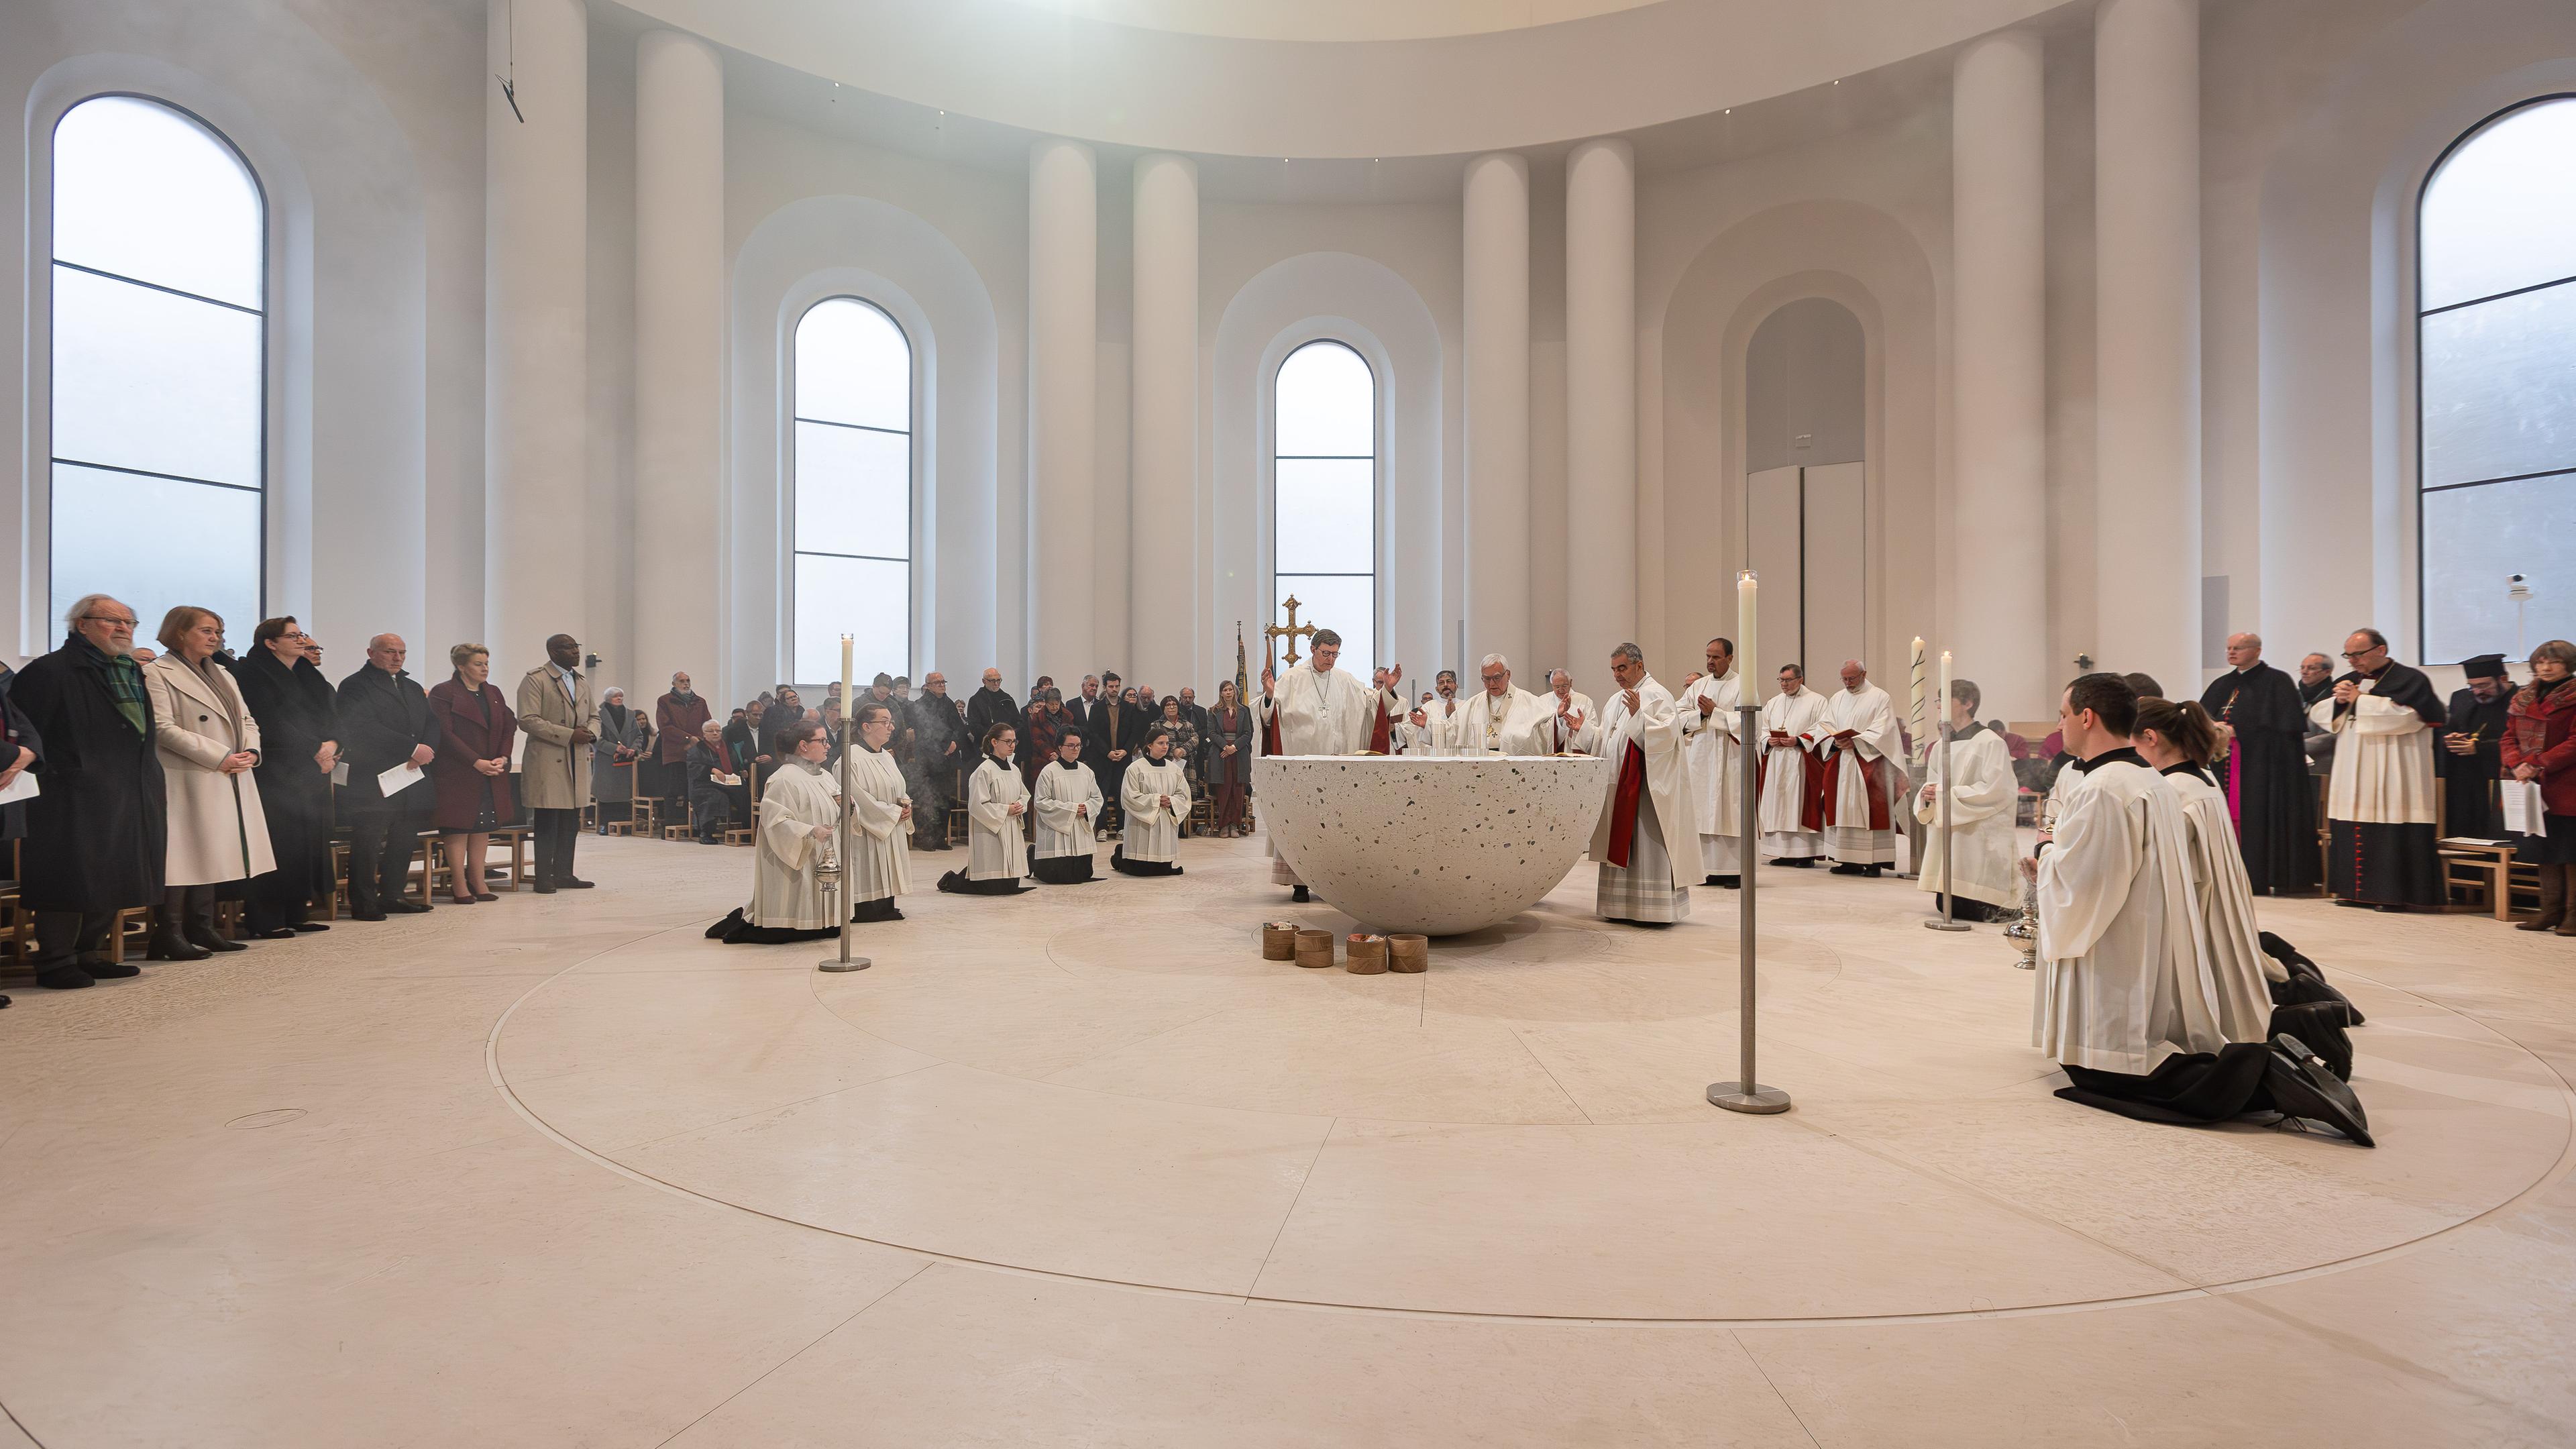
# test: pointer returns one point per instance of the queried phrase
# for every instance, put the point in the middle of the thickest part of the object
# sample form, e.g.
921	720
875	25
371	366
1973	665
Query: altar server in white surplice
1781	812
1707	708
996	797
800	808
2177	739
1156	798
880	863
1981	814
1859	747
1067	804
1502	718
1646	843
1315	709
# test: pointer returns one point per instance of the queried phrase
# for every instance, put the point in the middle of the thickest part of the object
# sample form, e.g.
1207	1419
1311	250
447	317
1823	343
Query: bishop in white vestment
1858	746
1645	842
1067	805
1781	811
1709	723
1981	814
1315	709
1502	718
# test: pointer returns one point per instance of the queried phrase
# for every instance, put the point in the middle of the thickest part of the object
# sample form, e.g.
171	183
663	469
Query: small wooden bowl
1367	956
1279	940
1408	953
1314	948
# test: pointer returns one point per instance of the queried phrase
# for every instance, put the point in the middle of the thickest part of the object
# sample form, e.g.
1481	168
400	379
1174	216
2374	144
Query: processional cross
1271	634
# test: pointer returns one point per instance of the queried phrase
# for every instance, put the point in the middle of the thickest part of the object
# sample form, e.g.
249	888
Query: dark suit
98	833
713	805
383	718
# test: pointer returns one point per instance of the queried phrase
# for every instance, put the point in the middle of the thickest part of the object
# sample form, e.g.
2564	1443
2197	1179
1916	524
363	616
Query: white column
1600	406
1064	335
1998	370
679	361
1497	262
536	381
1163	422
2146	219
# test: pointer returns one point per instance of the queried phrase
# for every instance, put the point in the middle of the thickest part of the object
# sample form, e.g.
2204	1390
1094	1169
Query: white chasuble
785	892
1660	848
1153	828
1781	812
995	850
2230	942
1981	820
880	863
1557	731
1061	792
1516	724
1329	713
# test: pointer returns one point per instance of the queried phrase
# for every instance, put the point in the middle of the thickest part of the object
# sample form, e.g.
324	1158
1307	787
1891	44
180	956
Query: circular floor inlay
273	1117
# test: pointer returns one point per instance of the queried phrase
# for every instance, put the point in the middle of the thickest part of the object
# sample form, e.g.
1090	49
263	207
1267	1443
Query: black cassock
2265	777
2468	781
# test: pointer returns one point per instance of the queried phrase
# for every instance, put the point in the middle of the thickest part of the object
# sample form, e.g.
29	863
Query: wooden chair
520	873
2479	877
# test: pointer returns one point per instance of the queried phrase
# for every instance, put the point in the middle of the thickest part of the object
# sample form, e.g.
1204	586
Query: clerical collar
1068	764
2186	767
871	749
2125	755
1968	731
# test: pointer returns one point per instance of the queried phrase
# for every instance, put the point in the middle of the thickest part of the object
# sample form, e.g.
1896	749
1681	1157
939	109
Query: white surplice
1782	810
1716	770
994	849
1663	855
2121	982
1519	723
1866	711
880	863
1328	713
2383	761
1153	830
1981	818
1060	792
785	892
2230	942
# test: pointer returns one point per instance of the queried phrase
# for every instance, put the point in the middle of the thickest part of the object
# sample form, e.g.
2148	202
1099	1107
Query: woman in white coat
208	744
880	863
799	812
1067	806
996	799
1156	798
1983	874
2177	739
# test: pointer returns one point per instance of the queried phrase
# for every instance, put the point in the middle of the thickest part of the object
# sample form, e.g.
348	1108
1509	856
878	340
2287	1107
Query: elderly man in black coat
299	730
98	832
384	721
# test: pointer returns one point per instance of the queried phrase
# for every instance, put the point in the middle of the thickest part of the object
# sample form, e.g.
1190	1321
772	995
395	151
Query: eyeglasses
2361	654
110	620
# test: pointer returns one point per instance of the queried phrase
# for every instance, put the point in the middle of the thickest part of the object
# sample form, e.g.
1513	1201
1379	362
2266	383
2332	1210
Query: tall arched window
853	473
2497	347
160	371
1324	496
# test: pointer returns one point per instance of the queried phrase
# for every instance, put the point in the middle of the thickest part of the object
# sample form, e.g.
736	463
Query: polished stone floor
1078	1167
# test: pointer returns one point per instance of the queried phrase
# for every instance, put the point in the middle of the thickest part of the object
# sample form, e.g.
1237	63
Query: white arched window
852	467
160	369
1324	496
2497	348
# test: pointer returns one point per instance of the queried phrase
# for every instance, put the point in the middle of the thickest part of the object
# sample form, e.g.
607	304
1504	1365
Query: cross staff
1271	634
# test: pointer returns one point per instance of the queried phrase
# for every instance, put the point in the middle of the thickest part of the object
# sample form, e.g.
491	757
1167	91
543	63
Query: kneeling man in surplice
1857	749
1647	842
2125	1001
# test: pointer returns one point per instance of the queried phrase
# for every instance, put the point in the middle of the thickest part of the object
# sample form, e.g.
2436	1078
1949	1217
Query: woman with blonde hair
208	743
475	731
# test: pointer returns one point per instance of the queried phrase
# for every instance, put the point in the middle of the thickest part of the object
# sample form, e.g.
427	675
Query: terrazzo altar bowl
1430	845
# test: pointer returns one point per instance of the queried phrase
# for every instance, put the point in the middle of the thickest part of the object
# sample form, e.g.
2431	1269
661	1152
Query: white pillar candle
1746	584
1945	690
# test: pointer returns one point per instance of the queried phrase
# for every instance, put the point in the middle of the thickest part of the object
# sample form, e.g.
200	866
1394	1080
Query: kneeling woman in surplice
996	798
799	810
880	863
2177	740
1156	798
1068	810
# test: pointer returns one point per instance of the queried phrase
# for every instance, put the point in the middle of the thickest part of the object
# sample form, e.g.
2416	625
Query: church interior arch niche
1805	498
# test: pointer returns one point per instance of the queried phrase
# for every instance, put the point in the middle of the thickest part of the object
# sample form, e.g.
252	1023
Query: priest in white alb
1859	749
1707	708
1646	843
1571	717
1981	872
1315	709
1781	809
1502	718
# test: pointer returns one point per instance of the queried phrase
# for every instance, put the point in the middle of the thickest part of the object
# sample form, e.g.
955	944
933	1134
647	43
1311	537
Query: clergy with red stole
1648	838
2380	830
2263	769
1857	775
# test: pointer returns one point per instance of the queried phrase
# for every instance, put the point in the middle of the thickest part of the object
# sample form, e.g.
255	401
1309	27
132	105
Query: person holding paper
96	832
476	731
557	711
299	731
2540	750
209	743
718	794
388	736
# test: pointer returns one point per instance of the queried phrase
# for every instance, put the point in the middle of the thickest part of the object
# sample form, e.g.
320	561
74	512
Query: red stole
1623	806
1379	733
1821	783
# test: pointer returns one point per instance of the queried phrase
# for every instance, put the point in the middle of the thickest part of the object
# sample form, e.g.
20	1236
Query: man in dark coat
678	718
384	721
2265	773
2468	750
98	833
2316	681
991	705
299	732
938	743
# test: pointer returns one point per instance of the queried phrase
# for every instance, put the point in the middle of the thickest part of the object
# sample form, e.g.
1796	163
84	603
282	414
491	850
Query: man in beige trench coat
556	712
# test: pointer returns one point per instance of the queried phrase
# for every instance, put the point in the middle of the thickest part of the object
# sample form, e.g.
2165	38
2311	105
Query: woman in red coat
2539	745
475	728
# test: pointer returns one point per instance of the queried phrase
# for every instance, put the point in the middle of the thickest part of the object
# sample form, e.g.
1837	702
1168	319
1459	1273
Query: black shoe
369	914
2392	910
1797	862
407	908
544	888
171	946
65	978
2301	1085
1727	882
2356	905
575	883
1298	895
1847	869
310	926
1870	872
112	970
209	941
274	933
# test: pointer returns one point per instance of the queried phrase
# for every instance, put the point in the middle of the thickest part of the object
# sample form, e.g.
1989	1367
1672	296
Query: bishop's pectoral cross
1271	634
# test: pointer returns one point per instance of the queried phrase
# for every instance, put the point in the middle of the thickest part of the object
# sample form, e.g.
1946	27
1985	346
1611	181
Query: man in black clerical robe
2380	830
2265	772
2316	681
2468	750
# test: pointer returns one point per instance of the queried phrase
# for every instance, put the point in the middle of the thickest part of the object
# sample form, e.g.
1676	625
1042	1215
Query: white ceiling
1332	20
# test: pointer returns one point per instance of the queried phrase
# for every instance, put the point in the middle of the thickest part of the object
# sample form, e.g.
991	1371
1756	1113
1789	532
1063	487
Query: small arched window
1324	496
159	396
2497	346
852	472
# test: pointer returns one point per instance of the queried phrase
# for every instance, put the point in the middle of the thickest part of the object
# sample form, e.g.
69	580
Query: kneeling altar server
880	863
799	811
1067	804
996	798
1156	797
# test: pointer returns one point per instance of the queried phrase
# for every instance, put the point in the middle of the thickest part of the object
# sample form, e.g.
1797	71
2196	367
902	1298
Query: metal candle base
1945	925
1762	1101
835	963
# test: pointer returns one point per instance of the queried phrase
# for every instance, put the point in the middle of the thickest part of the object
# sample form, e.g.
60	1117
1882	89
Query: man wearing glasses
2380	830
98	830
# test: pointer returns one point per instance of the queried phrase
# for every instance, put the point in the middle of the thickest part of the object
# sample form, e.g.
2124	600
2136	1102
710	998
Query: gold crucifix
1271	634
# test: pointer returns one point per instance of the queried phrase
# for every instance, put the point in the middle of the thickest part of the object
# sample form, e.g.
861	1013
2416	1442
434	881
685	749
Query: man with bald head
2263	769
384	722
1858	775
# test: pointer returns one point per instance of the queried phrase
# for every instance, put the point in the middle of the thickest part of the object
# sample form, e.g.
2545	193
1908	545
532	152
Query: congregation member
2380	832
1197	714
881	805
476	733
1184	736
1707	707
557	712
617	758
679	717
1156	798
2540	746
209	742
786	710
1109	740
1048	723
1315	709
18	755
1981	870
1857	750
97	830
2316	682
799	813
1503	719
743	734
2468	749
997	855
385	723
1229	767
1645	842
1781	811
2264	771
1082	713
938	740
1569	714
718	792
299	731
2177	740
1066	802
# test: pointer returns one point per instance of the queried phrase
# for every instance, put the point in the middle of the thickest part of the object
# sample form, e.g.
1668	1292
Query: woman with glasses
209	742
299	730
